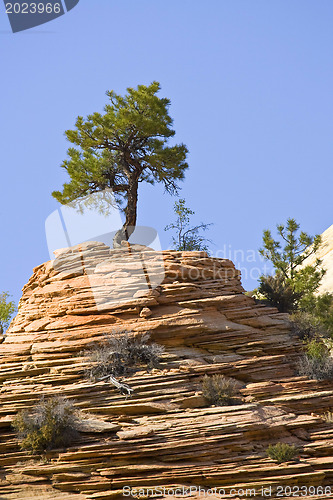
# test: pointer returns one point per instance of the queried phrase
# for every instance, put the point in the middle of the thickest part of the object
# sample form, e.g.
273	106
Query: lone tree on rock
117	150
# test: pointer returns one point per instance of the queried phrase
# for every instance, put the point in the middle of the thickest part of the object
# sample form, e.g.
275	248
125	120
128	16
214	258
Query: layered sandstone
166	434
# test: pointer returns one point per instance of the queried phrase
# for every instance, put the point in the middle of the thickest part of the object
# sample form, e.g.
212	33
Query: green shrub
306	326
7	309
316	349
52	423
316	363
219	390
119	355
281	452
278	293
320	307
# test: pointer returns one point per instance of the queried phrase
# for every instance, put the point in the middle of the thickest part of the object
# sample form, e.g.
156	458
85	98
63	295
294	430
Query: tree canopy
121	148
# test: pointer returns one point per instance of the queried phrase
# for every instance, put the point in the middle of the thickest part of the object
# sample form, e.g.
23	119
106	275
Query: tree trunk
131	214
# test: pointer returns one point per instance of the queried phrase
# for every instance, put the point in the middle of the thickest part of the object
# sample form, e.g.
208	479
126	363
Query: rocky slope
166	434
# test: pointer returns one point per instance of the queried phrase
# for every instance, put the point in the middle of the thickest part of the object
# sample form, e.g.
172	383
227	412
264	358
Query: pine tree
293	282
121	148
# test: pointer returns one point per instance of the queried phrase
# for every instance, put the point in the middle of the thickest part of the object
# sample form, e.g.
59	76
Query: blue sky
250	84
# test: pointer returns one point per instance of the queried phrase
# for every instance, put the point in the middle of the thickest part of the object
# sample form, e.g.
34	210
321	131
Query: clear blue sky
250	83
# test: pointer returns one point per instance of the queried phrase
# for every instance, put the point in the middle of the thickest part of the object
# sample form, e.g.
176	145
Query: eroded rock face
166	434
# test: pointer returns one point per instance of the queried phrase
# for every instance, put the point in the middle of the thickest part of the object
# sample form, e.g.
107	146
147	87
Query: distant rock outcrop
166	434
325	254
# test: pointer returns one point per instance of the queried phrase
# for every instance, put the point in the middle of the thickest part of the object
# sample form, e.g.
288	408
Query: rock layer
166	434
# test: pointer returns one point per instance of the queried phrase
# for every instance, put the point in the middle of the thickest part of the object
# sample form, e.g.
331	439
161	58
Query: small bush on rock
316	363
120	355
50	424
320	307
306	326
316	369
219	390
281	452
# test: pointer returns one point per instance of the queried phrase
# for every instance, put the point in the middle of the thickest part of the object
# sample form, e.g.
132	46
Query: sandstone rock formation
166	434
325	254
